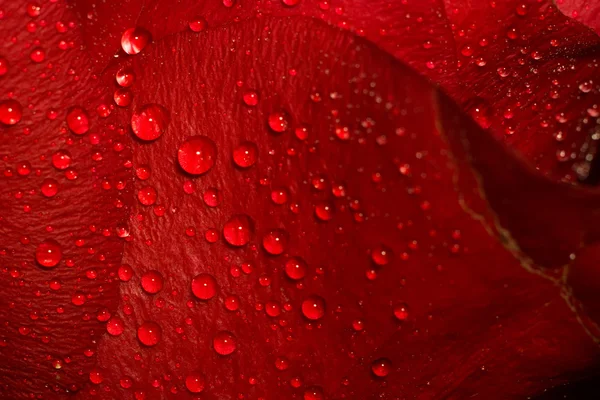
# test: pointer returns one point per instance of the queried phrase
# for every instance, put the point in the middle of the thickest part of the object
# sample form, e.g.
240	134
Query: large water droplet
237	230
11	112
197	155
313	307
204	286
150	122
149	333
48	253
134	40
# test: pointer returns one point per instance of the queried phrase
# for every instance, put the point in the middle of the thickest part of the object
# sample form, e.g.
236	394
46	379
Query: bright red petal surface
384	176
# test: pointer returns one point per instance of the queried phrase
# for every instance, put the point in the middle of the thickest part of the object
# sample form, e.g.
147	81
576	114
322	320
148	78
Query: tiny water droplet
197	24
250	98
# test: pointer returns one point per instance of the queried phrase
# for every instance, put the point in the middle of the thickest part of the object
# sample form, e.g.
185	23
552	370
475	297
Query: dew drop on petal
11	112
197	24
197	155
49	187
313	307
78	120
381	367
48	253
149	333
125	77
250	98
123	97
212	197
61	159
295	268
3	66
381	255
245	155
134	40
237	230
278	121
204	286
401	312
115	326
314	393
147	195
275	242
152	282
195	382
150	122
224	343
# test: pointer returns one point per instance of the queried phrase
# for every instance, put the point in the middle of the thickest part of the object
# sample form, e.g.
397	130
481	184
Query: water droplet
134	40
195	383
278	121
78	120
48	253
152	282
275	242
197	24
123	97
224	343
232	303
49	187
250	98
150	122
197	155
115	326
244	155
279	196
381	255
237	230
125	273
11	112
212	197
147	195
401	312
295	268
96	377
314	393
381	367
61	159
37	55
149	333
3	66
313	307
204	286
125	77
290	3
324	211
